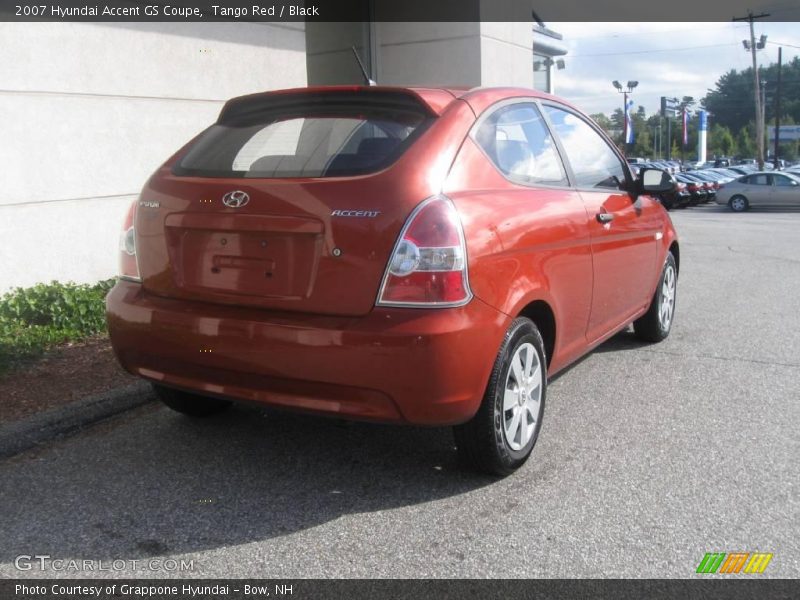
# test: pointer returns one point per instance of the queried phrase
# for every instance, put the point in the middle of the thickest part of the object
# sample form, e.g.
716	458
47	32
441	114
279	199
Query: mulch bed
63	375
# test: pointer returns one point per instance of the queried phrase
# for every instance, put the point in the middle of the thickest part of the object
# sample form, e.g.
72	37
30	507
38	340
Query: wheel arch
676	252
541	313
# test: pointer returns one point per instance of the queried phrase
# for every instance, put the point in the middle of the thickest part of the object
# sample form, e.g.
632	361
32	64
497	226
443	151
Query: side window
761	179
782	180
593	161
517	141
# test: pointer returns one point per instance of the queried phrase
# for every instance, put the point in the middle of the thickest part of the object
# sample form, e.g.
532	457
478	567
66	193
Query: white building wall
506	54
429	54
457	54
90	110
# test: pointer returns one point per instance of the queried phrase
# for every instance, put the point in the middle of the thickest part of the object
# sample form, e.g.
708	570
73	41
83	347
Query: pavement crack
767	256
754	361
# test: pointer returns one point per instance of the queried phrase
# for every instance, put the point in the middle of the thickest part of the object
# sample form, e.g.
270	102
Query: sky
667	59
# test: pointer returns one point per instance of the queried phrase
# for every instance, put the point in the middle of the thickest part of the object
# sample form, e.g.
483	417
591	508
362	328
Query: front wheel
739	204
656	323
500	437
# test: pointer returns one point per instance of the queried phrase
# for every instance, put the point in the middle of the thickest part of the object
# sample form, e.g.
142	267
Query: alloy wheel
667	298
522	396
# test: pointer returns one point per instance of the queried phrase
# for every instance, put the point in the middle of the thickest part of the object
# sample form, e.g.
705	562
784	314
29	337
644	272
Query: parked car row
691	187
738	187
670	166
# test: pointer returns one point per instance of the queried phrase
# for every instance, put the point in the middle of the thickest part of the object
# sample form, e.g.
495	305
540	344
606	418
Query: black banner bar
546	11
339	589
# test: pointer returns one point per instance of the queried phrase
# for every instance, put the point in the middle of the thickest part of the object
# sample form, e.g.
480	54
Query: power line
650	51
783	44
638	33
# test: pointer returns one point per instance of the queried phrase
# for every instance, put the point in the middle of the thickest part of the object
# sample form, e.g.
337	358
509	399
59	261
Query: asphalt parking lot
650	456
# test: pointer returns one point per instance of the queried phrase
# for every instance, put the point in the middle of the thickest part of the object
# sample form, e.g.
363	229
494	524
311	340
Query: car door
785	191
623	230
757	189
525	225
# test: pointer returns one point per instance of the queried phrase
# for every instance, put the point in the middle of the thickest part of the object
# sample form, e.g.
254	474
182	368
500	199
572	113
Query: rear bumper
426	367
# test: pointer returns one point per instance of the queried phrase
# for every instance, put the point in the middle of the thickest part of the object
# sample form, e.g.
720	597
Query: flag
685	127
629	122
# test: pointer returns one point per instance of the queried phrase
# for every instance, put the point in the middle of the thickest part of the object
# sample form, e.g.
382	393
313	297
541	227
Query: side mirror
655	181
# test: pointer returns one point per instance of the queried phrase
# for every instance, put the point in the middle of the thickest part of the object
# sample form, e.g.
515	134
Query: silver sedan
761	189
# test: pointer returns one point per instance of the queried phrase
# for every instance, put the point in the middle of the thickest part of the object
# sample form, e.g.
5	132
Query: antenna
367	80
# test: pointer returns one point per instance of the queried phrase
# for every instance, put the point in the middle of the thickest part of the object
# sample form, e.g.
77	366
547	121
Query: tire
495	441
656	323
738	203
190	404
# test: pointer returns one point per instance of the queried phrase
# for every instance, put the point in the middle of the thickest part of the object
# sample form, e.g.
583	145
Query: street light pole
752	46
625	92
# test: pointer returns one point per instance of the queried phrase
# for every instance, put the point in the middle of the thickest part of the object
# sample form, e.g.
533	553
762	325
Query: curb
31	431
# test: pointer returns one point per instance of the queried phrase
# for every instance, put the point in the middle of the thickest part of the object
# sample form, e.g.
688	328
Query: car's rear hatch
291	201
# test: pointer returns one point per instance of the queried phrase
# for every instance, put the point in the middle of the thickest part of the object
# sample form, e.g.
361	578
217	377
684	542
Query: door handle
604	217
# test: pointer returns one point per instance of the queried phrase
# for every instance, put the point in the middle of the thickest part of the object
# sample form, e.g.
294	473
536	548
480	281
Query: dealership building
91	109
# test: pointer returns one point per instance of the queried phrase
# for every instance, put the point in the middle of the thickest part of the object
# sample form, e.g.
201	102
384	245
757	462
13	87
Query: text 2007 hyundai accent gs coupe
424	256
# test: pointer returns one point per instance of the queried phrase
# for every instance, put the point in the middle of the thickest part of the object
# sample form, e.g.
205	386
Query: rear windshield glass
320	139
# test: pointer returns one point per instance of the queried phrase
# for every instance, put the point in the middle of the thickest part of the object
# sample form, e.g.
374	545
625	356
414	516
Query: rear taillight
128	267
428	266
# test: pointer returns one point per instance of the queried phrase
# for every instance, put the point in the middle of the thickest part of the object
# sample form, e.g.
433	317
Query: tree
732	103
642	137
603	121
720	141
745	142
675	152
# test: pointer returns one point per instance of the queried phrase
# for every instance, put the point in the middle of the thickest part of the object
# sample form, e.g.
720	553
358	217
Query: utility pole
764	114
778	106
752	46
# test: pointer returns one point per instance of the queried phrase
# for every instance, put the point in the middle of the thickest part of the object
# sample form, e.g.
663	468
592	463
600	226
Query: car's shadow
624	340
156	482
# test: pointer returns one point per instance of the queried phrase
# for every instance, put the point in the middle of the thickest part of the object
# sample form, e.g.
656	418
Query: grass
37	318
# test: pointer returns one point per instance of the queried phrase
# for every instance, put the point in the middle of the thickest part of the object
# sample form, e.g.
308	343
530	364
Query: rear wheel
500	437
738	204
190	404
656	323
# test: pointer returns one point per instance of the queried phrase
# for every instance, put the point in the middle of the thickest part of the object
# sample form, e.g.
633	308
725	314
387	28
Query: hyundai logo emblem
235	199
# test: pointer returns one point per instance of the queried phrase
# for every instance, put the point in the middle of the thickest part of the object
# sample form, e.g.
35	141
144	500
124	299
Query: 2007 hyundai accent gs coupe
402	255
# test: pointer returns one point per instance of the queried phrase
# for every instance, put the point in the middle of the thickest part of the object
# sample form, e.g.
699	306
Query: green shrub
36	318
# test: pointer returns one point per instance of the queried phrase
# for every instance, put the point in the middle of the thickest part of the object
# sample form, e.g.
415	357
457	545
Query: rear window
312	136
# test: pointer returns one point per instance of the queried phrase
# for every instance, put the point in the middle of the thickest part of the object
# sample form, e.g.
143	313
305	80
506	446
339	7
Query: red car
402	255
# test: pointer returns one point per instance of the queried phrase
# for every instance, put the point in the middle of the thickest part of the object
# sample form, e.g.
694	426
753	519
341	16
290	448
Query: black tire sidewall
670	261
523	332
